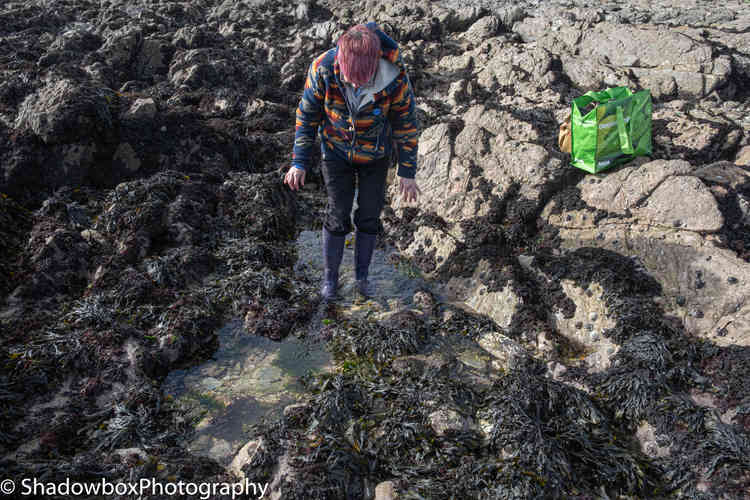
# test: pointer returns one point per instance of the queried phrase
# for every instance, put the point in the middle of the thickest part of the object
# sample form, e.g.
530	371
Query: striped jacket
389	113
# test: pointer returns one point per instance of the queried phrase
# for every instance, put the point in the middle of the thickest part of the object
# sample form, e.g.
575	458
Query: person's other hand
408	189
295	178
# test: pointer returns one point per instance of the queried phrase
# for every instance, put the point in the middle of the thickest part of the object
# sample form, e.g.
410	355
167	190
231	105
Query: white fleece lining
387	72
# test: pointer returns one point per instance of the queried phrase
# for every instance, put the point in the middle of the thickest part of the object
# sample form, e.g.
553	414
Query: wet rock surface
537	332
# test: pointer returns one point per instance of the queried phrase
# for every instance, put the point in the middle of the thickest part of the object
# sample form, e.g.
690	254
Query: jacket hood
390	55
388	46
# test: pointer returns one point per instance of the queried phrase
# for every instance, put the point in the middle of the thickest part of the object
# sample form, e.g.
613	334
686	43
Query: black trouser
339	176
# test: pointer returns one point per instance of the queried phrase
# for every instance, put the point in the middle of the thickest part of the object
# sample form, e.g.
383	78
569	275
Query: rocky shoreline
582	336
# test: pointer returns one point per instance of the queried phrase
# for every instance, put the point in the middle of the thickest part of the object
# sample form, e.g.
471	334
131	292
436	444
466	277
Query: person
359	97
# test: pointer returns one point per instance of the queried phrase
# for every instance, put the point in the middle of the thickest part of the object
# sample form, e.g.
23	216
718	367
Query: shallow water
251	377
395	284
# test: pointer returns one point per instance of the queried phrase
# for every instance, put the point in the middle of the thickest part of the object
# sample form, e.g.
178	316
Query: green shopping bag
614	132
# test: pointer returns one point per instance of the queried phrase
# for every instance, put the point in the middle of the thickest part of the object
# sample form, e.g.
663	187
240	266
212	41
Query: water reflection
249	377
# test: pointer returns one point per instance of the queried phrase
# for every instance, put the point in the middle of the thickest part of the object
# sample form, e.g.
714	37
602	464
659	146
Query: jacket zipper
353	126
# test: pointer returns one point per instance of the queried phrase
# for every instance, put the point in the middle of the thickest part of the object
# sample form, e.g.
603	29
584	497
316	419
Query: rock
623	189
675	259
153	59
207	68
500	306
665	60
723	173
555	370
685	197
446	420
193	37
415	365
77	37
462	16
302	12
438	243
120	49
484	28
646	436
63	112
509	354
90	235
126	158
510	15
386	491
283	472
322	32
658	55
501	123
424	300
457	93
134	454
435	156
142	109
295	413
509	66
245	456
743	157
694	135
497	147
589	303
658	192
734	36
592	74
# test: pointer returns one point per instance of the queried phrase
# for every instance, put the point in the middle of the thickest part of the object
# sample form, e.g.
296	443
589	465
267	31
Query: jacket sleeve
403	118
308	117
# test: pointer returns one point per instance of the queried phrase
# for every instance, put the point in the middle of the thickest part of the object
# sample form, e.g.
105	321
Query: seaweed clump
111	289
403	408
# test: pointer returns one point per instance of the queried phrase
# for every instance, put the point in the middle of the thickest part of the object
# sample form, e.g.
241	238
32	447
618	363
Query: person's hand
295	178
408	189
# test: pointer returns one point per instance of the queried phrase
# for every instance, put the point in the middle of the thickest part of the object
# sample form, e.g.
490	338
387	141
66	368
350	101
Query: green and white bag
614	132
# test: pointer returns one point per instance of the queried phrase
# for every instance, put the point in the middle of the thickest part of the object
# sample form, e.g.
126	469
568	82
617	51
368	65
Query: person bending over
359	99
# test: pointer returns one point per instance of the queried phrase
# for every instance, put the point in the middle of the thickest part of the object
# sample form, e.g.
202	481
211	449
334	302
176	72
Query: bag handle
602	96
625	143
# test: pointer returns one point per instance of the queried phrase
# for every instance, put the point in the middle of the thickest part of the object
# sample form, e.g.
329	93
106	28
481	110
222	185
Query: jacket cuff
299	166
406	172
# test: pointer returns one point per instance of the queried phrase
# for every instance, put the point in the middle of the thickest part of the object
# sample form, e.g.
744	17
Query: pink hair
359	51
